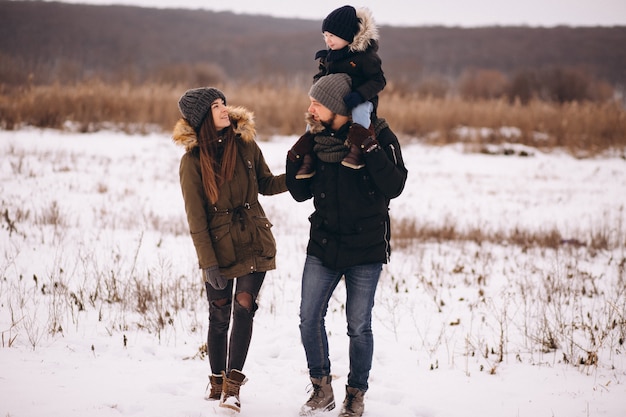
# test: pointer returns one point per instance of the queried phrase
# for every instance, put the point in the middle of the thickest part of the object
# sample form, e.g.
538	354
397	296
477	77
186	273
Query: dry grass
584	128
457	295
407	232
89	106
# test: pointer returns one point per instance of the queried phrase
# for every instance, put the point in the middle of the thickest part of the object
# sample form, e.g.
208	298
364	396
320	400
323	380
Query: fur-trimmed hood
241	118
368	31
315	126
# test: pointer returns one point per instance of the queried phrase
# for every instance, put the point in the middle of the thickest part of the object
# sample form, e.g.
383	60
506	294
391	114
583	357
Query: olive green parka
234	233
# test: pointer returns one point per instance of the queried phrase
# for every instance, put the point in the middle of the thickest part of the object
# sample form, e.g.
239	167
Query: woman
221	175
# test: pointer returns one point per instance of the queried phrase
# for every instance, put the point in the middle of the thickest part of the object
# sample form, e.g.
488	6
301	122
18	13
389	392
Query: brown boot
322	397
215	383
359	139
307	169
230	389
354	158
353	405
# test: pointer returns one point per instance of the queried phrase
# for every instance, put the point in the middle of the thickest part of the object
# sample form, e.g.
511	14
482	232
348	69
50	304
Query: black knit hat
330	91
195	104
342	22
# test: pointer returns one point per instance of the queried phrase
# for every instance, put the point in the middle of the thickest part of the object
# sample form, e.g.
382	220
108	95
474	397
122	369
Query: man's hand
303	146
364	138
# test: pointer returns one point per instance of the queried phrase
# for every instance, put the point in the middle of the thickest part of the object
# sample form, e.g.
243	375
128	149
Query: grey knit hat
330	91
195	104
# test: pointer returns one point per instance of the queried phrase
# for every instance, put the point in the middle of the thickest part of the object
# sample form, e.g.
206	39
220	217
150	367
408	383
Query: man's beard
328	124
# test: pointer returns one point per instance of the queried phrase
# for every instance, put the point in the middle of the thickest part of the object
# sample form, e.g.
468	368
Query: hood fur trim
368	31
315	126
241	118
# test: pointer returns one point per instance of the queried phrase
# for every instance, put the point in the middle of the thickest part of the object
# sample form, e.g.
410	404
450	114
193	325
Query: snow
102	311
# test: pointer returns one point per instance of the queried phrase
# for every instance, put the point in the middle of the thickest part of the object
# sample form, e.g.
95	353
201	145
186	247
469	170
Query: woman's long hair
215	170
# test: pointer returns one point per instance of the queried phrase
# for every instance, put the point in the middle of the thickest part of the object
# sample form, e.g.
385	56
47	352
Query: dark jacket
234	233
359	60
350	224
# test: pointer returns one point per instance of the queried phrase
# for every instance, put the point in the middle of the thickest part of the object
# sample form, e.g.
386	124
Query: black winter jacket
350	224
359	60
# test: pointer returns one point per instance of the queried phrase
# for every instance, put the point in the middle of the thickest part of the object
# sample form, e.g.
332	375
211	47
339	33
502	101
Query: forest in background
92	67
51	41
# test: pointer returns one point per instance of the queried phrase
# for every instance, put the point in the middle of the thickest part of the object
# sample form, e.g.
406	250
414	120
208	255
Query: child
352	39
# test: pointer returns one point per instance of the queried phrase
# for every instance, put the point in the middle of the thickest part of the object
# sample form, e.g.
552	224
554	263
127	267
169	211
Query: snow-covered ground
102	311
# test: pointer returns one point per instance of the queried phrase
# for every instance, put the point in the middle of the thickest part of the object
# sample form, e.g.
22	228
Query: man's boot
214	389
322	398
230	389
353	405
307	169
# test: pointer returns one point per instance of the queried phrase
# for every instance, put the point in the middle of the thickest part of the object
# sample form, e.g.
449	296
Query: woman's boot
214	389
230	389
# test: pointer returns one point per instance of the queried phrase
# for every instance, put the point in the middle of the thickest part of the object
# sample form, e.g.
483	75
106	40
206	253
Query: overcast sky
419	12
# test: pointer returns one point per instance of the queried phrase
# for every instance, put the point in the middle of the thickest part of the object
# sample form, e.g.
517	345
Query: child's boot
354	158
359	138
307	169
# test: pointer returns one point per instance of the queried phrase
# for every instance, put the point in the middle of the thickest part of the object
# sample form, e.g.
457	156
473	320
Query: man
349	234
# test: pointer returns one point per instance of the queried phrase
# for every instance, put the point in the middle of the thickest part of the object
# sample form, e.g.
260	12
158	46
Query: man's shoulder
384	134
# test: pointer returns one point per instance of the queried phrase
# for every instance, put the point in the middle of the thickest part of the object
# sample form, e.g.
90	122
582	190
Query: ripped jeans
224	353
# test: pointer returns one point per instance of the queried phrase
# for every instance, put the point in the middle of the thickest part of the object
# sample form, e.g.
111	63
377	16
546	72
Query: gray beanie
330	91
195	104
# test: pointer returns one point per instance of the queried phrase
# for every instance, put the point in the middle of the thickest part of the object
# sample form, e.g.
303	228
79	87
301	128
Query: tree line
48	42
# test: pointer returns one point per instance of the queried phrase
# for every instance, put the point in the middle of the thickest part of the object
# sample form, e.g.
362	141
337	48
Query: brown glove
364	138
303	146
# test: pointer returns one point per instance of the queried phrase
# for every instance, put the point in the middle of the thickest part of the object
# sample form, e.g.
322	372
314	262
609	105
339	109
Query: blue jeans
318	284
362	114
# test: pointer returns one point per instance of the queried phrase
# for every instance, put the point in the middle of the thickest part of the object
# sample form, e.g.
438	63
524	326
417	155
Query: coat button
324	241
323	195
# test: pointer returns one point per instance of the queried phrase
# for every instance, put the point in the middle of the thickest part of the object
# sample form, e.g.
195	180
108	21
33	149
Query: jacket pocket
223	246
366	232
265	243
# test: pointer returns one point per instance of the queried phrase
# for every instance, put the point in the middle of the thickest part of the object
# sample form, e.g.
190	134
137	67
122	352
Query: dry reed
582	128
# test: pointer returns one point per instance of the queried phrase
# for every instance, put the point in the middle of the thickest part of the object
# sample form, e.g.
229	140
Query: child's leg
361	114
307	169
